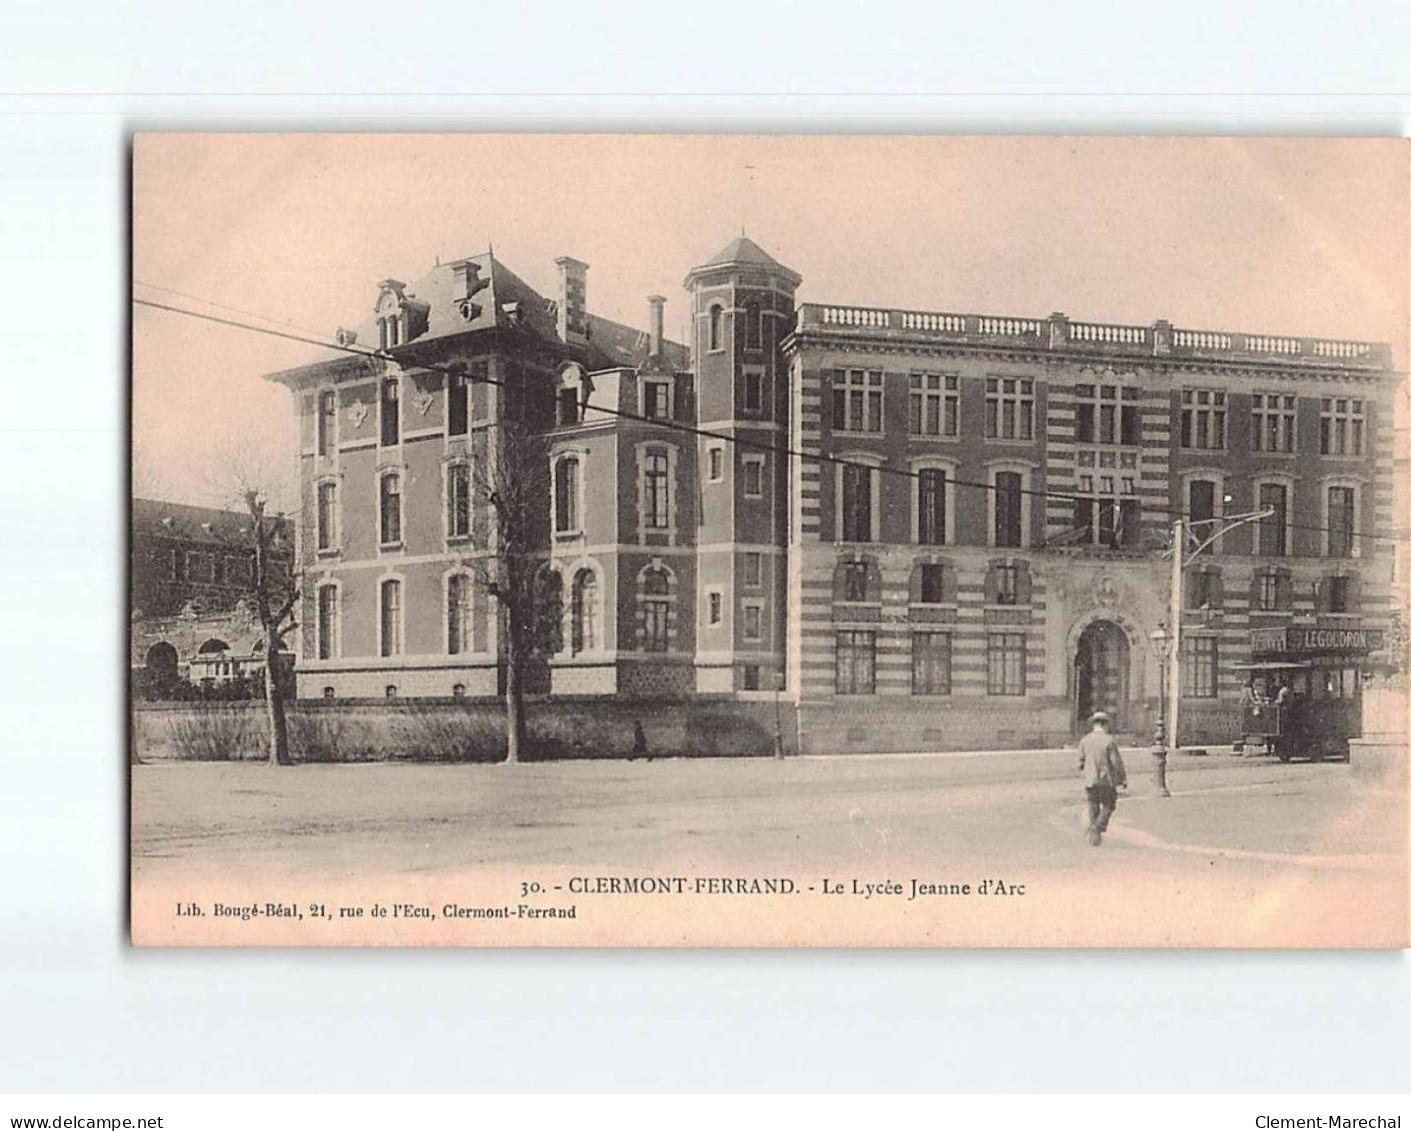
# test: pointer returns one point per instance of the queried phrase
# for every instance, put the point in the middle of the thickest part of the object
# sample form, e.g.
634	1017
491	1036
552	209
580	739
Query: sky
1277	235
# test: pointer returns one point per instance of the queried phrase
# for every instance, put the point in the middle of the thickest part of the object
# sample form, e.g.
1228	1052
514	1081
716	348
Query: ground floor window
856	663
930	663
1202	668
1005	657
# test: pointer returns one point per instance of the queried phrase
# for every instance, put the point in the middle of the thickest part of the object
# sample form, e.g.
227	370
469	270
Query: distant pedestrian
639	742
1100	763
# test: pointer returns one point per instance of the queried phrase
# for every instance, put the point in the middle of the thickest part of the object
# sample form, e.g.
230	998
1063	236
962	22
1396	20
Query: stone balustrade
1058	332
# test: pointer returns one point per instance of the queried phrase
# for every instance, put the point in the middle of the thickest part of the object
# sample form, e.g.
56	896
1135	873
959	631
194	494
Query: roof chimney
573	299
658	308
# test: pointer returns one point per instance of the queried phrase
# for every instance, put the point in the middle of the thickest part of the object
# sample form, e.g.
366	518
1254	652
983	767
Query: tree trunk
514	692
274	701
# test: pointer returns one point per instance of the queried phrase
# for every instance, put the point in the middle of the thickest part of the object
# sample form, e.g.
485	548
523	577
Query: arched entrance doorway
1102	673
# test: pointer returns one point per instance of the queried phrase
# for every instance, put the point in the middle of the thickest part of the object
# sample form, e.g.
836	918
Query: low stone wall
888	725
376	730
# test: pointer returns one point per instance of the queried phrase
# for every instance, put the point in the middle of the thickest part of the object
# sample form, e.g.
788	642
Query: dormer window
656	399
389	331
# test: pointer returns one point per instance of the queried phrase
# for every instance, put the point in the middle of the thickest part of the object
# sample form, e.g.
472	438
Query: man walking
1100	763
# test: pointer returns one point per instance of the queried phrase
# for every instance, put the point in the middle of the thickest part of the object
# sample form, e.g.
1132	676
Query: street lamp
1180	559
778	720
1161	642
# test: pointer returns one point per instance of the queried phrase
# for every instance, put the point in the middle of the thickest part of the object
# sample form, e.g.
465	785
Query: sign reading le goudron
1352	641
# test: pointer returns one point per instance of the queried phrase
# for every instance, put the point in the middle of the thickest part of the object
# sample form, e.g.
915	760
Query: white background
82	1012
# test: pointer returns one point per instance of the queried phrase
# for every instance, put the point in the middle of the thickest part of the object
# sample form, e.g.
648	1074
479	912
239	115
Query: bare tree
247	473
510	475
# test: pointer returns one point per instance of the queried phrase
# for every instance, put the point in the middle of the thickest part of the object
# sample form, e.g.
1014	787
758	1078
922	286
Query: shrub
431	734
216	734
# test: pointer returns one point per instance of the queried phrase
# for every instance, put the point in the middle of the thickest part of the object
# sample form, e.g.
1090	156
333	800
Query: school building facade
918	530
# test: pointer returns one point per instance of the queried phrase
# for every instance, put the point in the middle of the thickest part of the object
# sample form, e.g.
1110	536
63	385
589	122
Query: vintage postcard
769	541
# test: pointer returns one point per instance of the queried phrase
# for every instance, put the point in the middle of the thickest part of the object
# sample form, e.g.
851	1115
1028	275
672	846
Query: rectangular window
327	516
391	425
1006	584
1341	510
931	507
715	463
566	495
1009	408
1131	424
1342	426
457	404
1129	523
457	614
568	405
754	620
1268	591
200	568
458	501
856	663
658	491
238	571
1199	589
327	421
754	390
751	566
749	677
857	503
935	404
1273	529
656	400
754	477
327	621
1275	424
391	509
1202	419
1200	508
854	581
857	400
713	607
1009	508
1338	590
654	624
391	595
1005	663
1201	669
933	590
930	663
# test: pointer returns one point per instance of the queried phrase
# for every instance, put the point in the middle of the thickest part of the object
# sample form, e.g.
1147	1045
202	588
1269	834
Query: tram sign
1303	640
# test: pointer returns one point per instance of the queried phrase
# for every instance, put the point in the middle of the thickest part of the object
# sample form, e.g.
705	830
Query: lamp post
1161	642
1181	557
778	719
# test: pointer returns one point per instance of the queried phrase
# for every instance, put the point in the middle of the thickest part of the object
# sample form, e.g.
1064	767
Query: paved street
334	820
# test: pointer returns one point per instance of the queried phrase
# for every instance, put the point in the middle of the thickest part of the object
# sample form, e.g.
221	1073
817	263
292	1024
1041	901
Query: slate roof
441	291
744	250
156	518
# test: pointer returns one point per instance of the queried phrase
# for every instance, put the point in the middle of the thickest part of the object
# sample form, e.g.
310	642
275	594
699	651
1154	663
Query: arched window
716	330
458	614
584	611
566	495
390	508
656	609
390	596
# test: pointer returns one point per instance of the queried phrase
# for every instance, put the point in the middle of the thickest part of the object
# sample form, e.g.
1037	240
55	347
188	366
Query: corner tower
742	302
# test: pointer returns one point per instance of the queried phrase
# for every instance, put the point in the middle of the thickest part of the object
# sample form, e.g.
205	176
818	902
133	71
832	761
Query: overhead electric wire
694	430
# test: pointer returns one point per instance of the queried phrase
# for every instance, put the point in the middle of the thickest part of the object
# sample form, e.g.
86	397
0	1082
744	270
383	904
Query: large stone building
963	549
192	615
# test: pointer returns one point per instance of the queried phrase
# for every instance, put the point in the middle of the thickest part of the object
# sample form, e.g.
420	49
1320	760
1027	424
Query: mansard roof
480	293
